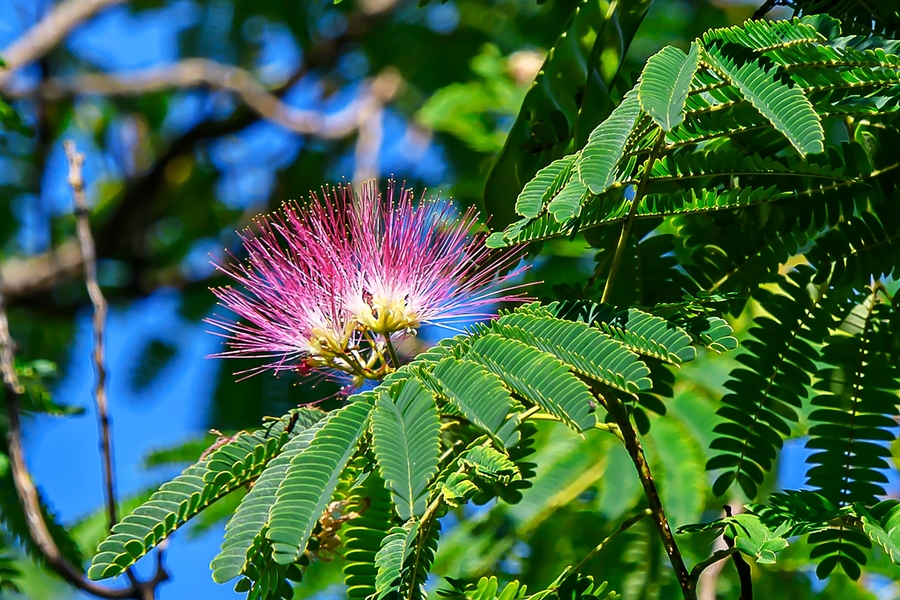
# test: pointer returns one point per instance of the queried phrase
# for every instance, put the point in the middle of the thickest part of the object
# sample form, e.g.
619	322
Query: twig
627	523
707	578
48	33
426	523
629	220
619	412
28	496
201	72
89	267
392	352
717	556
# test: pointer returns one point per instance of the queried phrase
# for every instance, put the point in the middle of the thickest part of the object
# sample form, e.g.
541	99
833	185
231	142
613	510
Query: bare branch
25	489
28	276
48	33
201	72
89	267
369	121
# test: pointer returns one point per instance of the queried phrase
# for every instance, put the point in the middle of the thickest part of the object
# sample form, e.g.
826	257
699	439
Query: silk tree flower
332	284
419	265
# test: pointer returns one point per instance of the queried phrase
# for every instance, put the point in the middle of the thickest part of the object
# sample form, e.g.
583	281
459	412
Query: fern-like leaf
396	549
546	184
769	387
583	348
537	377
246	528
479	395
405	435
363	536
606	145
228	467
310	480
855	413
785	107
665	83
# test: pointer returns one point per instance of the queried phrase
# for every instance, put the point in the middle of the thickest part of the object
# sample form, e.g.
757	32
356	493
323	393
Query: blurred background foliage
179	156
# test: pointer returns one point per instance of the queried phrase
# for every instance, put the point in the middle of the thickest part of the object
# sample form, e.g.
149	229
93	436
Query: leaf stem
629	220
619	412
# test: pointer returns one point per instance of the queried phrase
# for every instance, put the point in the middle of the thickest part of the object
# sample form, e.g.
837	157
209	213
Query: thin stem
27	493
376	351
619	412
392	352
89	260
629	220
424	530
716	557
627	523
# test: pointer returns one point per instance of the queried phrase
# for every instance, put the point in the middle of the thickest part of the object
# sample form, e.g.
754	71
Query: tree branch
25	489
89	267
47	33
743	568
201	72
619	412
763	10
33	275
708	577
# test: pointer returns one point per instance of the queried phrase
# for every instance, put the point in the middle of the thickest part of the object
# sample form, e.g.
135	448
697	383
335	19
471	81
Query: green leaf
568	202
575	90
232	465
537	377
489	464
637	330
785	107
480	395
406	440
582	348
665	84
546	184
886	532
362	536
396	548
252	515
310	480
606	146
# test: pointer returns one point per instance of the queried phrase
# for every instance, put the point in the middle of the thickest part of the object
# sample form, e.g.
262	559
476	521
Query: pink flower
330	284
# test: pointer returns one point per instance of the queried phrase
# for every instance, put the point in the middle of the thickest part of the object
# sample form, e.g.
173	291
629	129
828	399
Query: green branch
629	220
